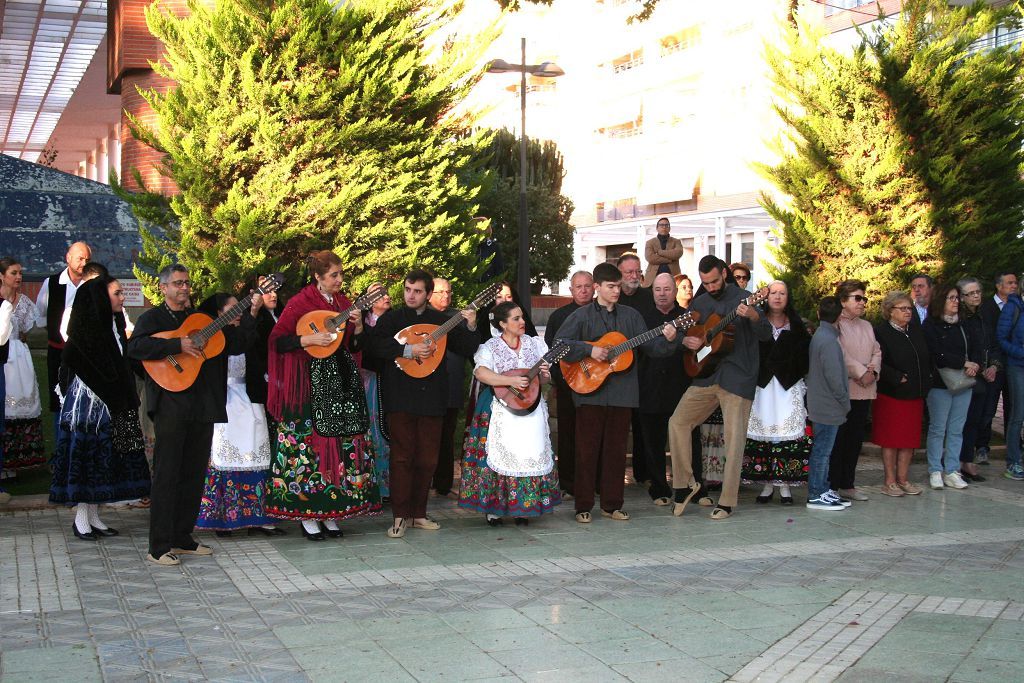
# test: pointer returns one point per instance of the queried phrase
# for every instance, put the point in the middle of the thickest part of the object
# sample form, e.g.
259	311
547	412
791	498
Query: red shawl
288	388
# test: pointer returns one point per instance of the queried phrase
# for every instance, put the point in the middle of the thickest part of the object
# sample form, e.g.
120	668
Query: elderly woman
950	348
903	383
863	361
986	351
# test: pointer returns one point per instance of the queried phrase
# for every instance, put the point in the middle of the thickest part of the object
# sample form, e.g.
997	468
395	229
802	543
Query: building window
835	6
679	41
628	62
612	252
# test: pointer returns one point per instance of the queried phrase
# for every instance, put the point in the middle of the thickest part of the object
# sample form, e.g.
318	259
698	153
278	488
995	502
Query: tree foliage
298	125
902	156
551	234
644	8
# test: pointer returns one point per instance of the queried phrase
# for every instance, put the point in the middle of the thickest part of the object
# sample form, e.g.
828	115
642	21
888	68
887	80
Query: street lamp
544	70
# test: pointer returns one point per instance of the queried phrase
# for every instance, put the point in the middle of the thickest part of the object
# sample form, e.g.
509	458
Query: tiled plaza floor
922	588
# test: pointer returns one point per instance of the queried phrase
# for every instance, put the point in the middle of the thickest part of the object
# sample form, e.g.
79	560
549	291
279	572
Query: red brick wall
130	49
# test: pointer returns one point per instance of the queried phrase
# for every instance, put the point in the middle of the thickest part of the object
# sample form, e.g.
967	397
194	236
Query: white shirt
43	299
922	312
999	302
6	325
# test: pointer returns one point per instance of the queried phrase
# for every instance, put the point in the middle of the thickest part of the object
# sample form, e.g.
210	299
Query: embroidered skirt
484	490
233	500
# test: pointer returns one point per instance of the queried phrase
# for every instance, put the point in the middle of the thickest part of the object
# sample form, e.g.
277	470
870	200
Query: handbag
956	379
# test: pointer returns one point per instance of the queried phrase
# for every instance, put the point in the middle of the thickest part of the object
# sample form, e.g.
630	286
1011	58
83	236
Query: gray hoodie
828	395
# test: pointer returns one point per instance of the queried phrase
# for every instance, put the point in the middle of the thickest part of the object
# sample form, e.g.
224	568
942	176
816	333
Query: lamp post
544	70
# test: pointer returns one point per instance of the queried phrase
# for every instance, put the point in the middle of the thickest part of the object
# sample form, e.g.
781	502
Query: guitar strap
614	313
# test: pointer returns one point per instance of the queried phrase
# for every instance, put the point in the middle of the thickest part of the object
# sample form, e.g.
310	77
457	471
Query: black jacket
402	393
256	358
904	354
785	358
662	378
206	399
946	346
555	321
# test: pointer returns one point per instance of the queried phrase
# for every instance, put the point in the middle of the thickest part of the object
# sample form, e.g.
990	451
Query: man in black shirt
581	286
415	407
634	295
455	365
182	420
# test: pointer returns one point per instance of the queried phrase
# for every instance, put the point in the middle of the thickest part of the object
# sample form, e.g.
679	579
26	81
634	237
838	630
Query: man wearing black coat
991	307
415	407
183	420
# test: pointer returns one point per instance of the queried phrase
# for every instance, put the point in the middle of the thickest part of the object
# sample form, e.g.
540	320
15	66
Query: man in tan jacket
662	253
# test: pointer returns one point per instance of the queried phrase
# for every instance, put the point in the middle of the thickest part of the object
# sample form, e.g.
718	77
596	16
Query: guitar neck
340	319
636	341
446	327
224	319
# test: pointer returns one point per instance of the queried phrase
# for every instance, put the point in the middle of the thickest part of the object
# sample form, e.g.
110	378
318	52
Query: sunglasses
858	298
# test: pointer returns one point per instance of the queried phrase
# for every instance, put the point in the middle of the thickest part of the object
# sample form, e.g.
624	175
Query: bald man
56	294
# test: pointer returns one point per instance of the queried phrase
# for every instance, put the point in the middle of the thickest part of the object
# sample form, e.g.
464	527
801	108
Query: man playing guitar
603	416
730	386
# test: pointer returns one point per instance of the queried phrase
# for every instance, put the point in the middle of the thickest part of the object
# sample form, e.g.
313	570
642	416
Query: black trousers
843	462
640	469
180	456
993	390
52	375
566	436
975	416
655	435
444	474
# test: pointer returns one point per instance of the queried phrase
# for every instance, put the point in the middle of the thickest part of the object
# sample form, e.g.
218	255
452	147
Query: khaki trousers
694	407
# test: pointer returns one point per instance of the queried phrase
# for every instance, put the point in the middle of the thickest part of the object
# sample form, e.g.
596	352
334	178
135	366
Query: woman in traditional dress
236	478
322	466
371	385
100	457
778	446
508	466
23	433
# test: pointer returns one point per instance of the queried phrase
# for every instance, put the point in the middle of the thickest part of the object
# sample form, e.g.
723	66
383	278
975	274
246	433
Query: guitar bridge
174	363
313	327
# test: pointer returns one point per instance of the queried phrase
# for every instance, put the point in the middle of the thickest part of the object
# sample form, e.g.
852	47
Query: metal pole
523	280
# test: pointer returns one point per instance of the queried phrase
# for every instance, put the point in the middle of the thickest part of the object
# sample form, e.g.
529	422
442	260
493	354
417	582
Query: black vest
55	311
5	349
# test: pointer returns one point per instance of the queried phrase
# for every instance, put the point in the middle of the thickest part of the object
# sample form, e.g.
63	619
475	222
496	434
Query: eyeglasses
180	283
745	278
953	297
976	292
902	308
858	298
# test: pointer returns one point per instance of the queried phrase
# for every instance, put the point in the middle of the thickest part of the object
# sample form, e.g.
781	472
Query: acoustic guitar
179	372
587	376
436	335
719	336
335	323
524	401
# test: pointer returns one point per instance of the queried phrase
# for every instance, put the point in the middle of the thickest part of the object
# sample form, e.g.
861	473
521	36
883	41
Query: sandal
583	517
398	530
617	515
705	501
662	501
680	506
721	512
426	524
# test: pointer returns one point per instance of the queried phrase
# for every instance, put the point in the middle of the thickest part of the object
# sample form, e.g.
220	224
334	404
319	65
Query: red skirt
896	422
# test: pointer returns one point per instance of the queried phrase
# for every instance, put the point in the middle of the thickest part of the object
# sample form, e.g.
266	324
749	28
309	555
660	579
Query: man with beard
730	386
581	286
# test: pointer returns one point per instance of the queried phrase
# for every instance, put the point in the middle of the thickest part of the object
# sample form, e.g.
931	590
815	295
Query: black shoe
105	532
971	477
318	536
223	534
763	498
332	533
276	531
88	536
786	500
385	500
522	521
494	521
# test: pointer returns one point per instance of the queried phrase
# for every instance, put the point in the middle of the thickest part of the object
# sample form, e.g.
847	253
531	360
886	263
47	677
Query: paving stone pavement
919	588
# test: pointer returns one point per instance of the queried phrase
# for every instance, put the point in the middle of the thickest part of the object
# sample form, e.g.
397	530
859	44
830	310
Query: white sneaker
935	480
954	481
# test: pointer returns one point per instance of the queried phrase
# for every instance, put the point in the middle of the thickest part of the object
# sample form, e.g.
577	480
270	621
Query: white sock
784	491
490	517
331	525
767	490
82	519
94	517
311	526
269	526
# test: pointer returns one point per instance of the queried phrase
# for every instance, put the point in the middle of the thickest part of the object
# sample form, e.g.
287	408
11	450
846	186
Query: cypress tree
902	156
298	125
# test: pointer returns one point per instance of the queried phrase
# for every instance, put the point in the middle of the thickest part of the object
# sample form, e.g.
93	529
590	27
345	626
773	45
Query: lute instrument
586	376
179	372
437	336
334	322
719	336
524	401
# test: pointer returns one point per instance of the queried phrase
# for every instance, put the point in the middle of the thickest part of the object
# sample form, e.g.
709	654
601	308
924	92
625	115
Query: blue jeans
1015	378
821	453
947	414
